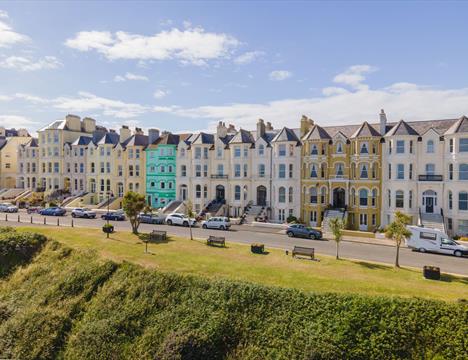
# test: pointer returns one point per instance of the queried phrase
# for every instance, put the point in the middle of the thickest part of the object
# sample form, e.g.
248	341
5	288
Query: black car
116	215
299	230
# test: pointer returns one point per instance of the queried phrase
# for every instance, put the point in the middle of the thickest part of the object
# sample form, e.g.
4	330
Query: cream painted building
10	140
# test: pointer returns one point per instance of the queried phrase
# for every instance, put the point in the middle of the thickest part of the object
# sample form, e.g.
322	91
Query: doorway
261	195
339	200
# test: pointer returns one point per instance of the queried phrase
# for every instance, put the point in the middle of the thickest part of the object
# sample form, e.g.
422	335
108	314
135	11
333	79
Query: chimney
268	126
306	124
23	133
153	135
2	131
383	122
231	129
260	128
89	125
221	130
138	131
73	122
125	133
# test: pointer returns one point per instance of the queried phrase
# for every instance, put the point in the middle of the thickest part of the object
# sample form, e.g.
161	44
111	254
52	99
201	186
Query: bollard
44	220
31	219
58	222
72	223
6	217
19	220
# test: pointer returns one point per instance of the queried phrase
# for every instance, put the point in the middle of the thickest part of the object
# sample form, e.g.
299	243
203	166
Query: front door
363	222
429	205
339	198
220	193
261	196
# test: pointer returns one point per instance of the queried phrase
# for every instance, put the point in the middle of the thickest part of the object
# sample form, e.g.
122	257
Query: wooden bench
304	251
157	235
216	241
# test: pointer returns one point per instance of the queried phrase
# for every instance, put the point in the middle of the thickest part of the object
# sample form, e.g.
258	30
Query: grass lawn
185	256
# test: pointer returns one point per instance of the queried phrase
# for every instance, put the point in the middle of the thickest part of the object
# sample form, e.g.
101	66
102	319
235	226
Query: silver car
217	222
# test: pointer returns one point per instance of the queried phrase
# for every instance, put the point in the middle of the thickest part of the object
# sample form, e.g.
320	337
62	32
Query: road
242	234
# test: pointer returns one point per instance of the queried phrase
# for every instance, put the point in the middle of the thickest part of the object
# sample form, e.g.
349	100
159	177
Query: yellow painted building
10	140
341	174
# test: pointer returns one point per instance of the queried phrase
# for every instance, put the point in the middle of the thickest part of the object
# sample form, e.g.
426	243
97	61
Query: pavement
360	249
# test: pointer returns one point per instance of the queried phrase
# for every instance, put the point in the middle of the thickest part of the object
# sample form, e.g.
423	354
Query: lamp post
109	194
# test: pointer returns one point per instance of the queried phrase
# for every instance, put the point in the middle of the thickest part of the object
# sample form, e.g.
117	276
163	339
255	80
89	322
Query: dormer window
339	148
261	150
430	146
282	150
314	150
364	148
400	147
182	152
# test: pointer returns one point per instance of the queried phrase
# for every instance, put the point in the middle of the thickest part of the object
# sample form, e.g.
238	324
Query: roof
286	134
168	139
402	128
202	138
136	140
242	137
109	138
3	141
82	140
365	130
461	125
317	133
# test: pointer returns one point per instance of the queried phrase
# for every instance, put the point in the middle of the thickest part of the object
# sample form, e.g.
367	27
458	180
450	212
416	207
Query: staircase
11	194
69	199
433	221
171	207
251	213
212	208
331	214
103	204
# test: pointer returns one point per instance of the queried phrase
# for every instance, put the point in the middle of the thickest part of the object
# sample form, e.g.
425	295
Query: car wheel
312	236
86	216
73	215
290	233
204	226
222	227
169	222
457	253
185	223
422	250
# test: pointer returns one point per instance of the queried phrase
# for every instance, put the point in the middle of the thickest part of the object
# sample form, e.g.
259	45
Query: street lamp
109	194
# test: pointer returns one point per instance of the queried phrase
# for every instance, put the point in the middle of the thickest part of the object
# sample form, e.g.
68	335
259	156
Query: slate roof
169	139
460	126
286	134
202	138
402	128
82	140
317	133
109	138
242	137
3	141
11	132
136	140
365	130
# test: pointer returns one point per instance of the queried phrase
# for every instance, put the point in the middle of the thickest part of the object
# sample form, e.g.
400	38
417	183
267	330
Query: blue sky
186	65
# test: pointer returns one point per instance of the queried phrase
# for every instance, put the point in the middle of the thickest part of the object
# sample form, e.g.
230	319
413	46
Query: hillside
74	304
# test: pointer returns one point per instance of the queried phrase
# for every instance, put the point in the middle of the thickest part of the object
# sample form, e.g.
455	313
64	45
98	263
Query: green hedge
70	304
17	249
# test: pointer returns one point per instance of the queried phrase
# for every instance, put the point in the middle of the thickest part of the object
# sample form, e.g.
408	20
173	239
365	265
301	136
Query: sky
184	66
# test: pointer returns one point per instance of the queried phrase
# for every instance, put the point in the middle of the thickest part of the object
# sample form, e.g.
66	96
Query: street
244	234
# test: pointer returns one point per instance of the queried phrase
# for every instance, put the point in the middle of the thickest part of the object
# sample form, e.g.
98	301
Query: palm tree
398	232
337	225
189	212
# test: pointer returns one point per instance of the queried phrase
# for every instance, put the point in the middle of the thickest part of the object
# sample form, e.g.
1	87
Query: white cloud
333	90
5	98
32	98
192	45
16	121
159	94
8	36
130	76
3	14
248	57
279	75
21	63
354	76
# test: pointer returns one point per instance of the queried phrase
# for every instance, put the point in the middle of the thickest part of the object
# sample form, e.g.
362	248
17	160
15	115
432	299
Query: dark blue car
116	215
53	211
299	230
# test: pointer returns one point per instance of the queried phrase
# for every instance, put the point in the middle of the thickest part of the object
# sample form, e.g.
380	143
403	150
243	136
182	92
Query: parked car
34	209
114	215
8	208
83	213
150	219
299	230
432	240
53	211
179	219
217	222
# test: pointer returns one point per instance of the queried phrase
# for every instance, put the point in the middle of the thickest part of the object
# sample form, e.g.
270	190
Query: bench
157	235
216	241
304	251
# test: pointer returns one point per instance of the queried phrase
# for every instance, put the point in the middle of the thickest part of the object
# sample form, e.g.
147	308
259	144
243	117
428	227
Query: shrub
291	219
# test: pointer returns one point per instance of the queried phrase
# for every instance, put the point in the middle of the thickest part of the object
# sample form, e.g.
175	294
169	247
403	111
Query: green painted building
161	170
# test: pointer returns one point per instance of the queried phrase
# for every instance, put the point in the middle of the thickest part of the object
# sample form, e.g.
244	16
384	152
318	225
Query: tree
189	212
133	204
336	226
398	232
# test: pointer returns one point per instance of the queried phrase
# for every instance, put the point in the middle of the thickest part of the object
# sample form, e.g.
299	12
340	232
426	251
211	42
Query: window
463	227
374	171
205	190
198	191
130	170
282	195
261	150
463	172
322	170
400	147
389	171
205	170
400	172
261	170
374	220
161	151
390	147
450	171
237	192
237	151
410	199
451	146
374	197
313	171
450	200
246	152
450	224
198	152
463	201
108	167
282	150
81	168
430	146
245	170
430	169
411	171
364	148
389	198
282	171
182	152
411	146
399	199
339	170
291	171
183	170
291	194
130	153
205	153
463	145
137	153
219	152
363	197
170	169
314	150
364	173
220	169
237	170
137	170
198	170
313	195
323	193
339	148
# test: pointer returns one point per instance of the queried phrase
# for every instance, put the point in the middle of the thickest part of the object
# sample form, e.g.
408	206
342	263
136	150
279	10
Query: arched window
430	146
313	171
314	150
198	191
450	171
463	172
450	200
374	197
399	199
463	200
245	192
339	170
363	197
282	195
389	198
364	174
364	148
323	194
291	194
237	192
313	195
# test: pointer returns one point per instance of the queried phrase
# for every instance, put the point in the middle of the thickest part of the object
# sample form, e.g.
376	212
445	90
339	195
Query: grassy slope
236	262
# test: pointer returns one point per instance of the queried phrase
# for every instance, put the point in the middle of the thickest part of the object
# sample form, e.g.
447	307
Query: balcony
219	176
430	177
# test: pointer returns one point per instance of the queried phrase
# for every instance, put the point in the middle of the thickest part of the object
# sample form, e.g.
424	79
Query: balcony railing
219	176
431	178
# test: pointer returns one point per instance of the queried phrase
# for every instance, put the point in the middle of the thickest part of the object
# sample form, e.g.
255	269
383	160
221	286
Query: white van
432	240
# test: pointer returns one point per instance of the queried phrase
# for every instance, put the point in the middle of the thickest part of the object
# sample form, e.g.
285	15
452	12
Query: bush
291	219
